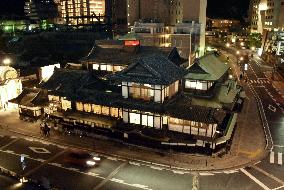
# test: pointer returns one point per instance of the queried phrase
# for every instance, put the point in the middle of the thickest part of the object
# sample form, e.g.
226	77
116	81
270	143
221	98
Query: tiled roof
209	68
66	82
183	109
31	98
120	56
155	69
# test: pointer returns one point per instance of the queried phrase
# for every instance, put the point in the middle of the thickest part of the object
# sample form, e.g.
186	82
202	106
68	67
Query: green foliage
254	40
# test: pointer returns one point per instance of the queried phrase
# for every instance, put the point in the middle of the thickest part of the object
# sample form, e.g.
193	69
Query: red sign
132	43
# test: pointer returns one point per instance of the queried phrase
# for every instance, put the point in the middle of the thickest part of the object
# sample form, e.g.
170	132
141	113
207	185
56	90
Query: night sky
216	8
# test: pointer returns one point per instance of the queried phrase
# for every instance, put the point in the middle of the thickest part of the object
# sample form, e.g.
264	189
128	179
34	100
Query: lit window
103	67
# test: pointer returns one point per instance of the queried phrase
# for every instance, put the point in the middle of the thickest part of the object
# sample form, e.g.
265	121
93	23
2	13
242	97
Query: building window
134	118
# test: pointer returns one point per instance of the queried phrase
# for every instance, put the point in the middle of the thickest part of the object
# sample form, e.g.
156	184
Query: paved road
46	159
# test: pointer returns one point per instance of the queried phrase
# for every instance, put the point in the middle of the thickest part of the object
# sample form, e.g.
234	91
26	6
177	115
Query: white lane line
131	185
178	172
231	171
280	158
134	163
271	159
254	179
8	144
156	168
205	174
269	175
111	158
280	146
278	187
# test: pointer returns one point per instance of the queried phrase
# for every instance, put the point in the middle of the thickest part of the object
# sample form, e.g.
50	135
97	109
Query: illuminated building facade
221	25
184	36
81	12
266	15
10	85
170	12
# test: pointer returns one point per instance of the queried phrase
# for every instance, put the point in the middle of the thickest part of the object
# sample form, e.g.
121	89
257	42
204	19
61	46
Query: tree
254	40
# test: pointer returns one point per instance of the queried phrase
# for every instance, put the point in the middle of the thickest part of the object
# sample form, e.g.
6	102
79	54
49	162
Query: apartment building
81	12
266	15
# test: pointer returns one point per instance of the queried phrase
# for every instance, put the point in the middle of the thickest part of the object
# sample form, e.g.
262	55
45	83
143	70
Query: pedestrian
46	129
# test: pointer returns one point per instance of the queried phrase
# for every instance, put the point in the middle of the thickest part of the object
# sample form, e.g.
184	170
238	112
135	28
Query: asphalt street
44	159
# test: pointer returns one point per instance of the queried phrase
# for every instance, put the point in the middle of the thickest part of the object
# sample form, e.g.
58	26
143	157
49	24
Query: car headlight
90	163
96	158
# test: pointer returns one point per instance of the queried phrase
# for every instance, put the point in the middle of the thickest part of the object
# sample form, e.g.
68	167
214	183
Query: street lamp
238	52
242	43
241	58
252	48
7	61
227	44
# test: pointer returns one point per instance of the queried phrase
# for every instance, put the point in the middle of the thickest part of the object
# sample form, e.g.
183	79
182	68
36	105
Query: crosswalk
276	158
259	81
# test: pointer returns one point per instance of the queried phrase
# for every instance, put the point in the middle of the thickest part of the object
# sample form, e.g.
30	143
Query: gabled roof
174	57
66	82
112	52
209	68
31	98
69	83
155	69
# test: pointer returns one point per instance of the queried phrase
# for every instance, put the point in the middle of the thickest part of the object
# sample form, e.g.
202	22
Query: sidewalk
247	145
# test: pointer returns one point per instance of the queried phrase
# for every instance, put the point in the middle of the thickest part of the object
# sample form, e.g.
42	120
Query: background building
222	25
37	10
170	12
184	36
266	14
81	12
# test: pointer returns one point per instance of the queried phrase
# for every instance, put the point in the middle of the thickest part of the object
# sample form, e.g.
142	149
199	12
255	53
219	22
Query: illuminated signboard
131	42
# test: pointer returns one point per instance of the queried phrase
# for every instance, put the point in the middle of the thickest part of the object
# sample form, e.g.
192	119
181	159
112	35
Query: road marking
231	171
156	168
113	173
280	146
280	158
205	174
8	144
92	174
271	160
132	185
111	158
269	175
272	108
46	162
134	163
195	182
39	150
254	179
278	187
178	172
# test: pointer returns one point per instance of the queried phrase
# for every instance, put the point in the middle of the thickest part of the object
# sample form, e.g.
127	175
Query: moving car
81	158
